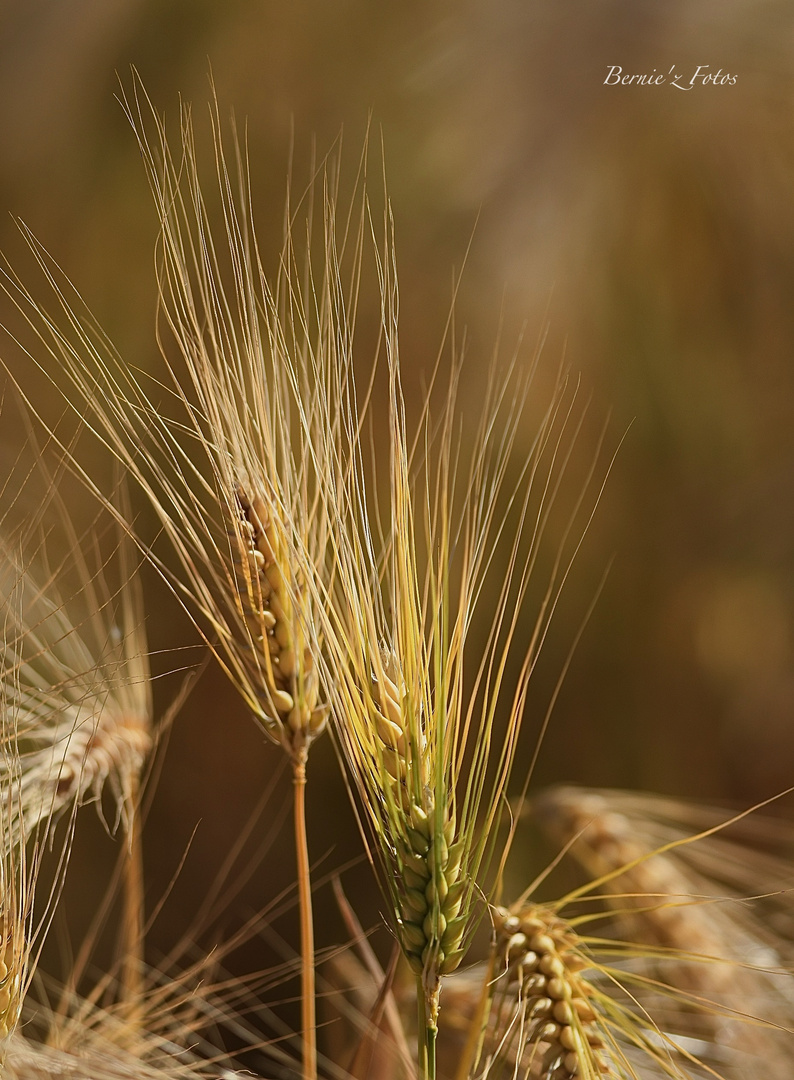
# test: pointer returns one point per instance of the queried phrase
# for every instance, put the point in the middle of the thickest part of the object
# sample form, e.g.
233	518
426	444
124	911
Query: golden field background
649	232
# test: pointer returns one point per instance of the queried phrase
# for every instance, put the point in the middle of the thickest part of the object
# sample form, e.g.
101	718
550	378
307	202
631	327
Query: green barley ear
417	714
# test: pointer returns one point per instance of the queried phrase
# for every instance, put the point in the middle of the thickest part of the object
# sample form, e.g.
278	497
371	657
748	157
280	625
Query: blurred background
647	231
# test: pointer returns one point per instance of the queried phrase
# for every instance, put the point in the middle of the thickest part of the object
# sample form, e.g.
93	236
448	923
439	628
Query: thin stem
431	1022
428	1026
133	918
422	1026
432	1032
307	928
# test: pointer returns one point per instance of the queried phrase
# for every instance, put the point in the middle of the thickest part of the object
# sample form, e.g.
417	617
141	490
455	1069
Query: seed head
420	737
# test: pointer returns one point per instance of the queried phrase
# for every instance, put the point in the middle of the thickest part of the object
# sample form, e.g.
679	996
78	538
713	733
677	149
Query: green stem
308	1017
427	998
421	1030
432	1032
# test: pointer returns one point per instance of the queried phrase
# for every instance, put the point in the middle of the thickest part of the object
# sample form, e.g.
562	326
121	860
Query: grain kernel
420	820
562	1012
583	1009
413	879
415	900
552	965
282	701
286	663
542	943
414	935
568	1038
434	925
319	718
558	988
418	841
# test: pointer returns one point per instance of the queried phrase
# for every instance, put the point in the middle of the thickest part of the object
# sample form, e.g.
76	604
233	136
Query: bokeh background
647	231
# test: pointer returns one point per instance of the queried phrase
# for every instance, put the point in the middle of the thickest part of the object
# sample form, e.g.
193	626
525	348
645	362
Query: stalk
132	934
308	1019
427	1027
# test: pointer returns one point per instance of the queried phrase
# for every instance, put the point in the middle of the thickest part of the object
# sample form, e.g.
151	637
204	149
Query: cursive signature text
704	76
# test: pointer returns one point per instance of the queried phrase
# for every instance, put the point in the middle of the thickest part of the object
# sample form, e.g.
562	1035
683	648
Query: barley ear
679	883
541	956
269	593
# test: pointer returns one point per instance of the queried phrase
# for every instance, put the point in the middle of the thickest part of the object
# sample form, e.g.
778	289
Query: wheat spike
556	1004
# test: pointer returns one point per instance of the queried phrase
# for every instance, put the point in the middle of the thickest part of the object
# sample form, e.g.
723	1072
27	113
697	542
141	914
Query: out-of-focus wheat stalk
708	899
78	673
23	926
75	674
